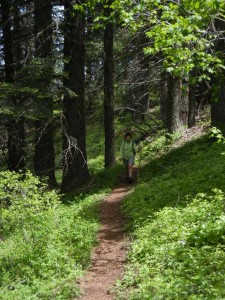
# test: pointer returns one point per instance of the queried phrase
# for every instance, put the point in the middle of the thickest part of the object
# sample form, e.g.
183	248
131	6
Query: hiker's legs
130	169
127	172
125	162
128	164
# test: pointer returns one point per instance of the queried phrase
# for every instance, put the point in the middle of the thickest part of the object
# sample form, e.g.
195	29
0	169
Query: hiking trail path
108	258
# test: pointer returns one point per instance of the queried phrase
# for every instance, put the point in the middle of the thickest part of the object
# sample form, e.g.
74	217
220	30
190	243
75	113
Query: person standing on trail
128	150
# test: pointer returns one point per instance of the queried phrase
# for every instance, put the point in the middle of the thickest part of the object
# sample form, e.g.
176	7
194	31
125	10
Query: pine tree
75	168
44	158
15	123
109	88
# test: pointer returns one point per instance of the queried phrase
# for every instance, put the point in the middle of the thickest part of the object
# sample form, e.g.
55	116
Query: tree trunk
16	134
140	77
218	109
174	105
135	112
163	96
75	169
44	157
7	41
184	101
218	103
16	145
192	105
144	79
17	49
109	92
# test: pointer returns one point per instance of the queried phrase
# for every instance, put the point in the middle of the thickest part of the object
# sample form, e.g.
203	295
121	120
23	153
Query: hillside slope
177	220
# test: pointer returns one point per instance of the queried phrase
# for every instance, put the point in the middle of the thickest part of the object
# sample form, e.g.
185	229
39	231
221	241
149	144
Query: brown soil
108	258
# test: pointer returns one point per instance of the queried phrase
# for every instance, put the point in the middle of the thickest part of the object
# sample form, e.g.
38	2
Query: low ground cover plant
176	216
45	245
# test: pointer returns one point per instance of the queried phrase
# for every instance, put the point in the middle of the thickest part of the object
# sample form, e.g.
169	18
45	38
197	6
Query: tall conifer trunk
192	104
15	125
109	90
218	106
218	102
44	157
75	169
163	96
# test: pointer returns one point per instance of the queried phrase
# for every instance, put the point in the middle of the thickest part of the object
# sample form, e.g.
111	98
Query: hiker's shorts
128	162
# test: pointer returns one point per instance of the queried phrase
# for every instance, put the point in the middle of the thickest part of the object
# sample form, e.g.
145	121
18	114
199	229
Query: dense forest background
67	65
75	76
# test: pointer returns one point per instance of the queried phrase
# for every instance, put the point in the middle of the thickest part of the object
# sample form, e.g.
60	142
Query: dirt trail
109	256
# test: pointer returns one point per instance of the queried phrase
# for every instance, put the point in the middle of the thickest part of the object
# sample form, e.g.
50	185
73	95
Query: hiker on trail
128	150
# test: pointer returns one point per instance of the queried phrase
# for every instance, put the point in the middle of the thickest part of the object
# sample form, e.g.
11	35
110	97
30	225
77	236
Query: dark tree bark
109	91
16	145
163	96
184	101
16	133
75	169
192	105
218	108
218	101
7	40
134	103
18	56
174	105
44	157
144	101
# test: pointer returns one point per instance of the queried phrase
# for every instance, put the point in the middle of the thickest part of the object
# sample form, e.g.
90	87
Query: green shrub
45	245
180	254
216	135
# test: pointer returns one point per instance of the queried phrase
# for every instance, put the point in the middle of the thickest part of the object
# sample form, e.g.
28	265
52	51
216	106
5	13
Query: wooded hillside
66	63
75	77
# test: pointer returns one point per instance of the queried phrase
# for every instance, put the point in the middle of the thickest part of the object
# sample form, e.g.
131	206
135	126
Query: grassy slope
178	238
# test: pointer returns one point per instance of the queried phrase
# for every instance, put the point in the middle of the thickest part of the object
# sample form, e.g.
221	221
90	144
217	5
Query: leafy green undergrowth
45	245
104	178
177	218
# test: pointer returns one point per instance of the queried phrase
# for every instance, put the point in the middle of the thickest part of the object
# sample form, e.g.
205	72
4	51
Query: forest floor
108	258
